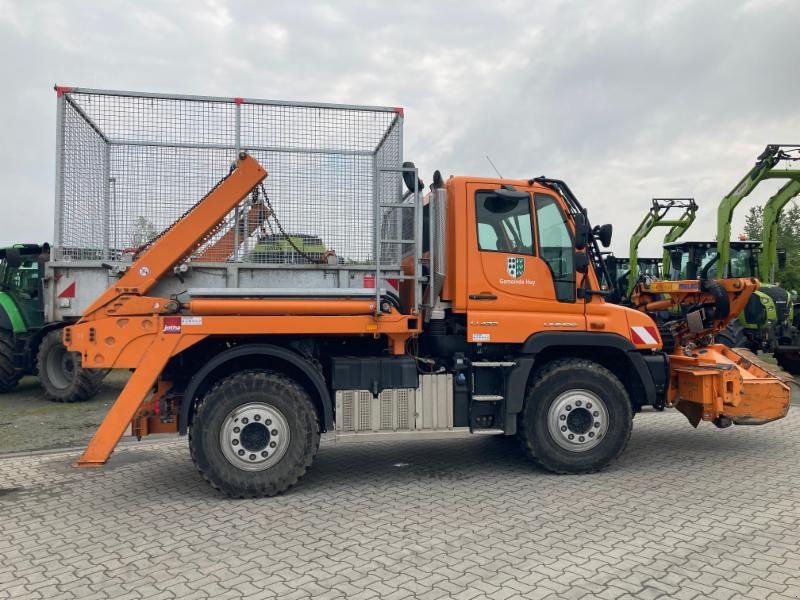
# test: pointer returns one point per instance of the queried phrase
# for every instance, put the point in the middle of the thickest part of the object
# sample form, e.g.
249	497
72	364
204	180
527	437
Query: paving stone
682	514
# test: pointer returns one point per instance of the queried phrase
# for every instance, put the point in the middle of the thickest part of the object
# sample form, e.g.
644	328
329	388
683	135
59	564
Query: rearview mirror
582	232
603	233
675	258
781	258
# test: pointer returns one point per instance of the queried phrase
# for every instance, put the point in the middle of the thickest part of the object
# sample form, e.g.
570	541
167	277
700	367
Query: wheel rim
254	436
60	367
577	420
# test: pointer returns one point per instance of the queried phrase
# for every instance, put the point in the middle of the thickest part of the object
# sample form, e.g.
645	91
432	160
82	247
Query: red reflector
68	292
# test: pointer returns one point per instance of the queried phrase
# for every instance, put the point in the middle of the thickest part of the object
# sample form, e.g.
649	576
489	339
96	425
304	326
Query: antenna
494	167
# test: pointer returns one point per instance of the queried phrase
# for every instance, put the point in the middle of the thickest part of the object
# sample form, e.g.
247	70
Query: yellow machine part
718	384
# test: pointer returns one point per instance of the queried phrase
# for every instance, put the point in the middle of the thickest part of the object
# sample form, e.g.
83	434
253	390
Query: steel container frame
129	164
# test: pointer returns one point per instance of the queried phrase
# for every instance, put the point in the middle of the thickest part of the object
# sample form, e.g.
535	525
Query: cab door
521	267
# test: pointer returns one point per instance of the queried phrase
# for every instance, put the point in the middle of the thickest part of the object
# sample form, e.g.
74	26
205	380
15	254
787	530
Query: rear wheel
577	417
732	336
254	434
9	374
60	372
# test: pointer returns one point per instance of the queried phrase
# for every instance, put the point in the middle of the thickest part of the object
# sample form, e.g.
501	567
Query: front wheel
577	417
254	434
60	372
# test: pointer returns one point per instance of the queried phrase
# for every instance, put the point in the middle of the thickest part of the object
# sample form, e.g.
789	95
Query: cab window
504	224
556	247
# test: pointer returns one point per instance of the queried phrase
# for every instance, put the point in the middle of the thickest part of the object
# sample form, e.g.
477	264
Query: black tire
9	373
722	303
565	382
732	336
60	372
789	361
217	409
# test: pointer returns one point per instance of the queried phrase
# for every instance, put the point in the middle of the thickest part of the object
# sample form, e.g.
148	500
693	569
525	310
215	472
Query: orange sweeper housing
498	324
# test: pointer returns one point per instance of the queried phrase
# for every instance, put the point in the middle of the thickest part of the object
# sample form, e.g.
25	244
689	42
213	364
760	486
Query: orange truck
482	310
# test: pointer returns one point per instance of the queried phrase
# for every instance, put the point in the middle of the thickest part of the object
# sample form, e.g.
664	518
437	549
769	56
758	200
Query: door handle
482	297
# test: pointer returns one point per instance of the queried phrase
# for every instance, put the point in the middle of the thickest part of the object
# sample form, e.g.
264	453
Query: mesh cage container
129	164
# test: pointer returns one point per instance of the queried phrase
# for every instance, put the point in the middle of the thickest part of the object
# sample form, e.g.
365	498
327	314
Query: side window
504	225
556	247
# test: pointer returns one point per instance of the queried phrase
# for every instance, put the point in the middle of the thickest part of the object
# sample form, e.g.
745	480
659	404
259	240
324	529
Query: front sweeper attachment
708	381
718	384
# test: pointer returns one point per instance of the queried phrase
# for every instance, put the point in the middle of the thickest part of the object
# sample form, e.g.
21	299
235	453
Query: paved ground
28	421
684	514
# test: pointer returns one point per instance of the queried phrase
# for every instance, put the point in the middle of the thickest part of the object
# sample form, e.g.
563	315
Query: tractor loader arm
656	217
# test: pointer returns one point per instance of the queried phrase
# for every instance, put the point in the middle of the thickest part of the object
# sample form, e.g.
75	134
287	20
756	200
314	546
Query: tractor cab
20	285
700	260
619	269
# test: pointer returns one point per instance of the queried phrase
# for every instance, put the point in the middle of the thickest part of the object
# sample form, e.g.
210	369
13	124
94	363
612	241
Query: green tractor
771	320
619	268
28	345
288	249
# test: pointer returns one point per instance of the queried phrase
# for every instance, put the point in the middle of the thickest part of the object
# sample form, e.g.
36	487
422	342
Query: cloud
626	100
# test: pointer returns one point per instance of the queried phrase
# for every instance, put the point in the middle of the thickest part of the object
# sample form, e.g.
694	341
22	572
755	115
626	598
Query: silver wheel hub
577	420
254	436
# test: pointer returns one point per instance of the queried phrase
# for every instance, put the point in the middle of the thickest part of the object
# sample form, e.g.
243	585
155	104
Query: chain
272	213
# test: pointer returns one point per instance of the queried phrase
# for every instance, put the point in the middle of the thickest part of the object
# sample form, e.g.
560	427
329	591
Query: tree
754	223
143	232
788	239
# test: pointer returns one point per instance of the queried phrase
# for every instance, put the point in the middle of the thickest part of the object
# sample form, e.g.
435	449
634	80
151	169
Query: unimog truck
475	308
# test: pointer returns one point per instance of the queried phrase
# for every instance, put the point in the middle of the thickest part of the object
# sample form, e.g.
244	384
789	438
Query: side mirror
675	258
582	232
603	233
611	263
13	258
582	262
782	258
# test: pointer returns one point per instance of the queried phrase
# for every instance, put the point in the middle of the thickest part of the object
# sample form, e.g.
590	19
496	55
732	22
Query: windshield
743	263
23	280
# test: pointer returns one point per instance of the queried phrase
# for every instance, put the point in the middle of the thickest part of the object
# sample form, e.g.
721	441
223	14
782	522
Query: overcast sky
625	100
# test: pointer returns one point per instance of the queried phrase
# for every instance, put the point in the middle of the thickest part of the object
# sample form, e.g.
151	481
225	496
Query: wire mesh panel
130	164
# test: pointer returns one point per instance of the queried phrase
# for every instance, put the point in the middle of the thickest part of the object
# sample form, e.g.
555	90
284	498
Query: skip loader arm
123	328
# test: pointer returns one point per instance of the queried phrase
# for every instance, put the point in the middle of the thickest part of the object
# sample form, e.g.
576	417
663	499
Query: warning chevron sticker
647	336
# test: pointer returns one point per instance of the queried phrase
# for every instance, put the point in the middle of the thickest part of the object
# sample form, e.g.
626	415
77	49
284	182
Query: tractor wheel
789	361
9	373
577	417
254	434
732	336
60	372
